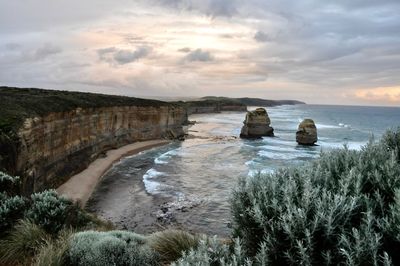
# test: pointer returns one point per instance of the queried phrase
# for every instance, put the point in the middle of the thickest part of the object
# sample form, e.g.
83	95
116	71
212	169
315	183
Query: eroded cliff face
54	147
216	108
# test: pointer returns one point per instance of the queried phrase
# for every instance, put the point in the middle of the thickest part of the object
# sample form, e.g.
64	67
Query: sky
321	52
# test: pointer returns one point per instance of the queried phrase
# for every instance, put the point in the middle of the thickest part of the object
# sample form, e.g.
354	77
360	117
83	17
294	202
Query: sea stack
257	124
307	133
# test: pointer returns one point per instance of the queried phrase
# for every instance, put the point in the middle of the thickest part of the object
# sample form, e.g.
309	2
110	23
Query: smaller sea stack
257	124
307	133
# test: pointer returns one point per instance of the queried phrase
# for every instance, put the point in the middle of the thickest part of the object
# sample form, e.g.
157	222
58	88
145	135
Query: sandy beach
80	187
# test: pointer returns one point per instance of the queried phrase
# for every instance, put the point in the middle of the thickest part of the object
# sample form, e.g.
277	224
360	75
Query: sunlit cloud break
381	94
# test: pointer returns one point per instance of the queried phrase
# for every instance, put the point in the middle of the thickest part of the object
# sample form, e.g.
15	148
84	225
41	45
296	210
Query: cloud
184	50
46	50
199	55
261	36
123	56
316	50
14	53
12	46
214	8
380	94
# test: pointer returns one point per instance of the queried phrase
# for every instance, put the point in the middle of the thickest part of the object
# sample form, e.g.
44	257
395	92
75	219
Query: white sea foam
286	156
279	141
151	185
254	172
334	145
324	126
251	162
344	125
278	149
160	161
163	158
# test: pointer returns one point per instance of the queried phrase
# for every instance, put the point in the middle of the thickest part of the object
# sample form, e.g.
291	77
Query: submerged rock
257	124
307	132
168	210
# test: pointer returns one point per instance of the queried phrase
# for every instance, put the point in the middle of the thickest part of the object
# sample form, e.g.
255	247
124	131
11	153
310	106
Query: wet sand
80	187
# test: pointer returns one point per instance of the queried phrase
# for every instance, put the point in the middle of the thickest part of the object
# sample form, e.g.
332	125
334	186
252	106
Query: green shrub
54	252
171	244
211	252
22	243
9	184
11	210
53	212
3	197
110	248
342	209
392	141
48	210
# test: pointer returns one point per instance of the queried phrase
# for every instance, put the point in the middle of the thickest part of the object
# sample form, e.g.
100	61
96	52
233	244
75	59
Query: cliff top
254	101
16	104
208	102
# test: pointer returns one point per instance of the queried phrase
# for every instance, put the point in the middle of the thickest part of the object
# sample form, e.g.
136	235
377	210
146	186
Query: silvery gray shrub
110	248
342	209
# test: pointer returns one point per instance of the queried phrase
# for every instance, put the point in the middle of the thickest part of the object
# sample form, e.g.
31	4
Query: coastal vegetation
342	209
253	101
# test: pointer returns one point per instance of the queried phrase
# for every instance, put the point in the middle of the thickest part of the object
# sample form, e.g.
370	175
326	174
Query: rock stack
307	133
257	124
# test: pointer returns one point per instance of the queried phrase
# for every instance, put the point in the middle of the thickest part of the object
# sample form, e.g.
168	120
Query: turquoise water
187	184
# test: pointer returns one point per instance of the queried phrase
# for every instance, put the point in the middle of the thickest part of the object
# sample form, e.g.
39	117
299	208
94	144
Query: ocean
188	184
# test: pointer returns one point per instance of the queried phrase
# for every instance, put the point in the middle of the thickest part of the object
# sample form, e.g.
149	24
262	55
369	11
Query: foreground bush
110	248
45	209
53	212
9	184
54	252
22	243
211	252
171	244
342	209
11	210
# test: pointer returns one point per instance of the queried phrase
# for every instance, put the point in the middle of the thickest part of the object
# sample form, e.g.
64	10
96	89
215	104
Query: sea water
188	184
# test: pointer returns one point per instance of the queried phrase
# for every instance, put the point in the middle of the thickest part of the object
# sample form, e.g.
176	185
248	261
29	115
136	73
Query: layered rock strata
54	147
307	133
257	124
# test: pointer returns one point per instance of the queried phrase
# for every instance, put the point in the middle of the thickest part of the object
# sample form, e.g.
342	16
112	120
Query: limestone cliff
257	124
50	147
307	133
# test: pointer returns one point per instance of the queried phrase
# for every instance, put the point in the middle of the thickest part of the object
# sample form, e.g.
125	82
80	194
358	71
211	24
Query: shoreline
80	187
